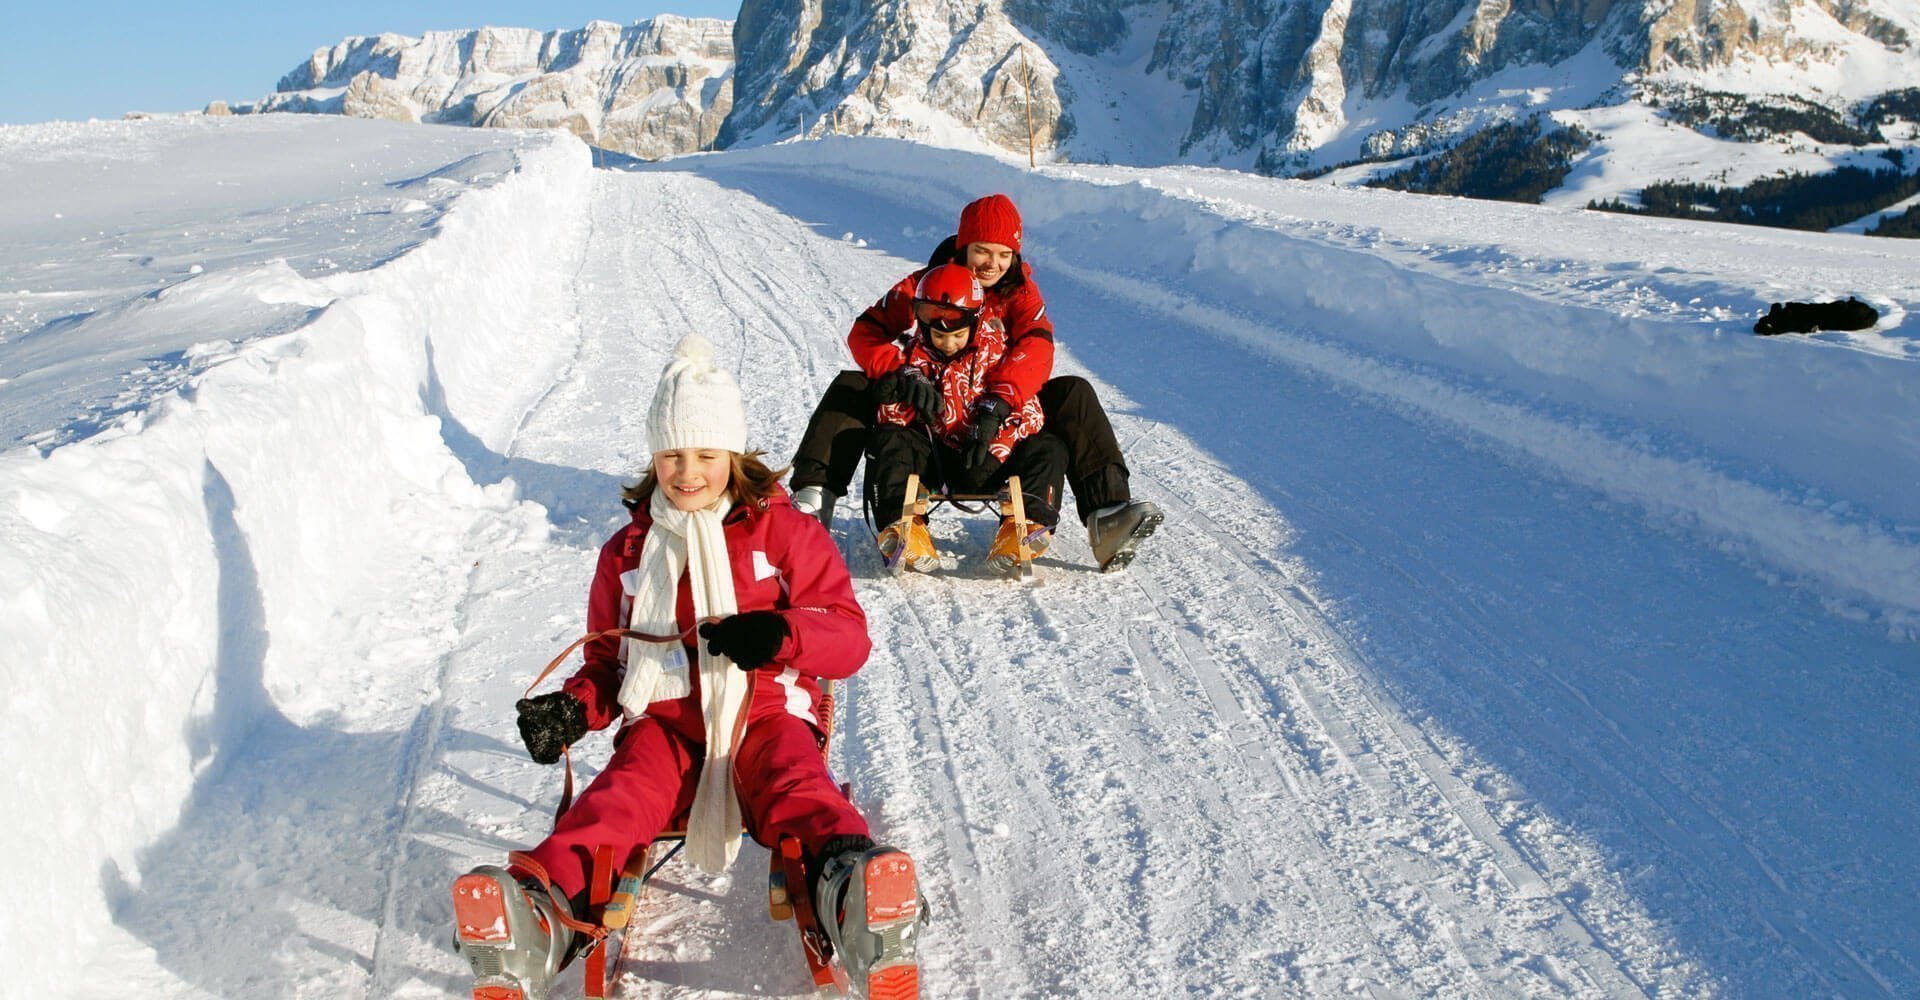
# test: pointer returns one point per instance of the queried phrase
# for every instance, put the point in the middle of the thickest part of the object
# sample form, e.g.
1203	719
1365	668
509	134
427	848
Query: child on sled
722	726
941	418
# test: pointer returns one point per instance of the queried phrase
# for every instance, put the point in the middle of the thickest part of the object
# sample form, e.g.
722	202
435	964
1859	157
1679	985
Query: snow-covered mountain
1582	100
1522	625
921	69
1279	83
651	89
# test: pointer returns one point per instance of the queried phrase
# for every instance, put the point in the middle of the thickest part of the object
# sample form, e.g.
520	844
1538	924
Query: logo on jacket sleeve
762	569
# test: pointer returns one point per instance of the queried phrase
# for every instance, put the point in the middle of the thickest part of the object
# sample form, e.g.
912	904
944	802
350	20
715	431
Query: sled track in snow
1289	754
1308	870
424	744
1316	667
958	830
1660	804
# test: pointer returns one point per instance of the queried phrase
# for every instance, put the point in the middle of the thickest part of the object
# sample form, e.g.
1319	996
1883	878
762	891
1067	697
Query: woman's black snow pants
837	436
1040	460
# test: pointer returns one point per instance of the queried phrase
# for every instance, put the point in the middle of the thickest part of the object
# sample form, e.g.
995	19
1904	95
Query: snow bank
170	581
1801	454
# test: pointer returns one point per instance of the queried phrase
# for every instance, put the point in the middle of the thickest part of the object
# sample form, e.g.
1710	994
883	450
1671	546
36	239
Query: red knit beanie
992	219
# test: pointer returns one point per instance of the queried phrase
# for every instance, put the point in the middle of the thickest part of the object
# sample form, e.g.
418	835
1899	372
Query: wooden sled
618	892
920	501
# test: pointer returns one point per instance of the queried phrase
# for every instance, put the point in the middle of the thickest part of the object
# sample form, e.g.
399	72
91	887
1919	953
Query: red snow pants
779	774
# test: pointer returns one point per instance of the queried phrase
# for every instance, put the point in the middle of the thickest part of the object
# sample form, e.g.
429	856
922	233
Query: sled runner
921	501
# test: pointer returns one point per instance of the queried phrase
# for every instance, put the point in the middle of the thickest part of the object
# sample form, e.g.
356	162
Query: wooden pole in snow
1028	71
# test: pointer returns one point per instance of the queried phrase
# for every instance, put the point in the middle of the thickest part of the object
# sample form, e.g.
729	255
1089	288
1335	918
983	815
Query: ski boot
1114	532
510	933
816	500
907	543
869	903
1004	557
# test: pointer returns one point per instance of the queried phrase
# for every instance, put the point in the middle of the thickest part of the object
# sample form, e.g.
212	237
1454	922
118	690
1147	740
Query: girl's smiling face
989	261
693	477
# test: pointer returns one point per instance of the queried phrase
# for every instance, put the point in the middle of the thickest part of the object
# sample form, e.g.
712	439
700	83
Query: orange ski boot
906	544
869	903
508	935
1004	557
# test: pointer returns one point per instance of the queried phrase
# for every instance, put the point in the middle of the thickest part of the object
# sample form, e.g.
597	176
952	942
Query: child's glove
751	639
550	723
988	415
906	385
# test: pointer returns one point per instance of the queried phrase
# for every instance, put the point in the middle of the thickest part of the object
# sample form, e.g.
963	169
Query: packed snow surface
1522	625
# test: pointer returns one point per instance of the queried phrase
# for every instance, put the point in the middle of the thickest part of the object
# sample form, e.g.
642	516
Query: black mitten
908	386
988	415
751	640
888	388
550	723
924	397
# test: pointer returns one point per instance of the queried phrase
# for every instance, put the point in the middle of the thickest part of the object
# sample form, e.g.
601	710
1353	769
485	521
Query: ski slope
1521	626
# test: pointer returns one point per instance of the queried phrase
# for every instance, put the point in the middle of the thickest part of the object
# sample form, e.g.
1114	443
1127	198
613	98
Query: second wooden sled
920	501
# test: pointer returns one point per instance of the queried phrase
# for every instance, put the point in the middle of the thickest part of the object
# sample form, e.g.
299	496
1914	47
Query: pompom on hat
992	219
697	403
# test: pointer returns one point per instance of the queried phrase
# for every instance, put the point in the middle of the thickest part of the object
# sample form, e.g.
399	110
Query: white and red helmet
953	285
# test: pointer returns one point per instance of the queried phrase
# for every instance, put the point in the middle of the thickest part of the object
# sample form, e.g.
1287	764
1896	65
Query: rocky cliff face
953	69
1272	82
650	89
1278	75
1276	85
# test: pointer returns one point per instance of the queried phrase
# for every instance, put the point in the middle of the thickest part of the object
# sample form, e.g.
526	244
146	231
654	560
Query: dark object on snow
550	723
1806	317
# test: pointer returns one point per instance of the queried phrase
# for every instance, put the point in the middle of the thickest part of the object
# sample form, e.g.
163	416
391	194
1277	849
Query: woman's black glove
907	385
988	415
751	640
550	723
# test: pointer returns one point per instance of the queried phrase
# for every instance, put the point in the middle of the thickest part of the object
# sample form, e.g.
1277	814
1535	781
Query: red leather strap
524	864
566	792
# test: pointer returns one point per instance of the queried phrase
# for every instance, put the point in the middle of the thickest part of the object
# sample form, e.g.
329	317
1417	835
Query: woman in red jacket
988	243
727	731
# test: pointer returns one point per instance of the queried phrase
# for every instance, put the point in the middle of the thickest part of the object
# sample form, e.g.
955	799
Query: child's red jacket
881	336
783	561
962	380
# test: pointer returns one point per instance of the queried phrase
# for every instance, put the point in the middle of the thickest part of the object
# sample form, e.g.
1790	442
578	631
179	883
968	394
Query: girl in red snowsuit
723	725
796	600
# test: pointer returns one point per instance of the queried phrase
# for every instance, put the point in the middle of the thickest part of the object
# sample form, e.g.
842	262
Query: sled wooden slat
1012	503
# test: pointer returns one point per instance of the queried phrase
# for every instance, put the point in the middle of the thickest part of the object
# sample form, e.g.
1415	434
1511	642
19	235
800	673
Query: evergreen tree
1510	162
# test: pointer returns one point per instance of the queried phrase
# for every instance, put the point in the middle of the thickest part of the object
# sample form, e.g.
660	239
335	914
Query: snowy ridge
175	549
653	88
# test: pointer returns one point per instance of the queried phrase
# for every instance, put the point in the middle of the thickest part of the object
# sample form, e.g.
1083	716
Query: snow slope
1521	626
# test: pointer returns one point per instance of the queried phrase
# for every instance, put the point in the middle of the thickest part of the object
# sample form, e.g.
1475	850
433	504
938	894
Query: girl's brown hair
751	484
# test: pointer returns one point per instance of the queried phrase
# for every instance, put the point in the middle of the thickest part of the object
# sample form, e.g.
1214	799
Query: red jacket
880	337
963	379
783	561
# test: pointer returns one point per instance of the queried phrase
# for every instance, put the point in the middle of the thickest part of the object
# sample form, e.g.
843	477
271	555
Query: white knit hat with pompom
697	404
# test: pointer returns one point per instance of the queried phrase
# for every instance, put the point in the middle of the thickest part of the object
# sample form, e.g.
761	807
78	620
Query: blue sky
79	60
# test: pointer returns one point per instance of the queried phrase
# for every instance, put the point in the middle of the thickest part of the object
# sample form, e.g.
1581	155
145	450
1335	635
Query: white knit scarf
694	542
